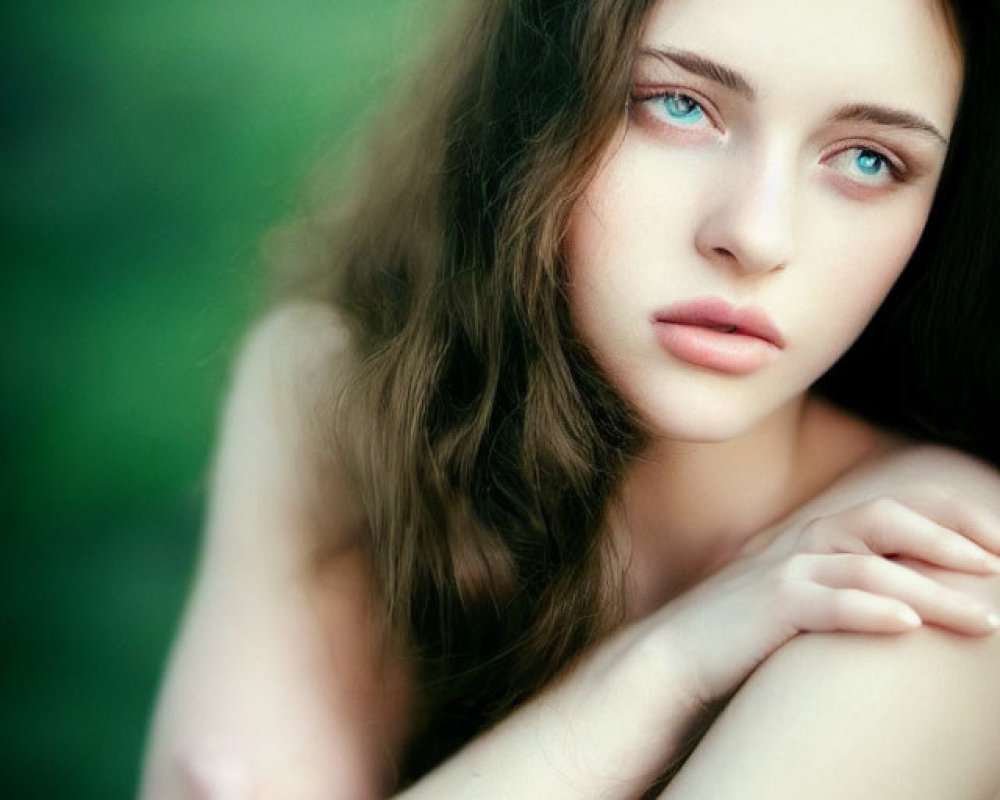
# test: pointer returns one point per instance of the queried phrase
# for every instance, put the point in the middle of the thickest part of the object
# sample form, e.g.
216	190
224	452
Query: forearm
605	730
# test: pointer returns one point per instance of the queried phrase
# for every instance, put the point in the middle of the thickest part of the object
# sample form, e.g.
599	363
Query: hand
834	573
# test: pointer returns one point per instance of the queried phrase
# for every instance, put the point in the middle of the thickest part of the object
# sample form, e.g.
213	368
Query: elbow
217	773
214	775
200	773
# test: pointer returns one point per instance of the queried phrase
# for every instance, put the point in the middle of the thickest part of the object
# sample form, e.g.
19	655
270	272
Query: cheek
594	244
860	270
583	244
869	247
882	252
598	224
616	251
635	212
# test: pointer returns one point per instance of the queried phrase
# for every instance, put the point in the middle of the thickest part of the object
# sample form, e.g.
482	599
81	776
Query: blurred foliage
147	148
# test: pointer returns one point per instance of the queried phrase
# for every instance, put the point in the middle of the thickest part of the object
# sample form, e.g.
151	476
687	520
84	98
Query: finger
967	517
822	609
888	527
933	602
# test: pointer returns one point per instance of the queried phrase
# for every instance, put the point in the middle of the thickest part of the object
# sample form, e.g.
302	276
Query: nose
749	223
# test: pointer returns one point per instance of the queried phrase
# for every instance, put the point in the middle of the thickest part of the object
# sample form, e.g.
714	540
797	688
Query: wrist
659	668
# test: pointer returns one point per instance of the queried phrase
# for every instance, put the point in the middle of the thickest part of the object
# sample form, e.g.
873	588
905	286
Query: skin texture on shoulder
289	368
852	715
276	680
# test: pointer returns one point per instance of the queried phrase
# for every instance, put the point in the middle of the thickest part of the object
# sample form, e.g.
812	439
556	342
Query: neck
686	507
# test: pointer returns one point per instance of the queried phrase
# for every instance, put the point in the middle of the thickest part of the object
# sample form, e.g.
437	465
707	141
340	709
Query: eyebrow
731	79
704	67
892	117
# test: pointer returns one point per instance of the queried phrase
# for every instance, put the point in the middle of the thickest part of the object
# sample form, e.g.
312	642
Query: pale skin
771	535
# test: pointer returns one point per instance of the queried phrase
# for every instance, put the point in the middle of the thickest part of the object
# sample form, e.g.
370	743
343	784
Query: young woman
537	495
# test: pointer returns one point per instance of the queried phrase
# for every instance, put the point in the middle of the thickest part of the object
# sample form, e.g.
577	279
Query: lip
709	332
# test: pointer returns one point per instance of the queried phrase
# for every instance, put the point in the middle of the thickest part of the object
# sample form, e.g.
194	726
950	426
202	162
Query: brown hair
482	438
483	441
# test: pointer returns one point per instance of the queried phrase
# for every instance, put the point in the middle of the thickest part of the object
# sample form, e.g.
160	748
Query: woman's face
775	173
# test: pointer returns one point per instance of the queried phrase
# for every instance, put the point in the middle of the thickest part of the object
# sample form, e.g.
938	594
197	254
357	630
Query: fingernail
911	618
971	550
987	561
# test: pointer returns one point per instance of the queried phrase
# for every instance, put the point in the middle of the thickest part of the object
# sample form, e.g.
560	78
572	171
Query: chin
699	419
700	432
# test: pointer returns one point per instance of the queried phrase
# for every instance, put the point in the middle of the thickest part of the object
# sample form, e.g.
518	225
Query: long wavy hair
482	439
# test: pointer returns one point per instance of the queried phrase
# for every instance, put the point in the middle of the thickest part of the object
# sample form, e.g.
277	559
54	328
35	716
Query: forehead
898	51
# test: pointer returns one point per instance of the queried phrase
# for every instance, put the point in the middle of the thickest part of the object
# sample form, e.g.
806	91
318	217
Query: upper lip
714	312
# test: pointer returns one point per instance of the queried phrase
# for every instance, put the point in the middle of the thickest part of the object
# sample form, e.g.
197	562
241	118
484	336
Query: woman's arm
276	687
844	716
835	716
834	567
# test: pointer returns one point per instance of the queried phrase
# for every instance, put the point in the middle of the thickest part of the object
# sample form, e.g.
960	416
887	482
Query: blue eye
682	110
869	162
864	165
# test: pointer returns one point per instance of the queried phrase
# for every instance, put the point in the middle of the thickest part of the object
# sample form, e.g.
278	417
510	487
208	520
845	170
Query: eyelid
643	92
899	165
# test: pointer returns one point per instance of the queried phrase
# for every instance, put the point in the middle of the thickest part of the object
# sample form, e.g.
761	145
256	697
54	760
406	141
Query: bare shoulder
277	443
883	464
849	715
938	473
851	457
296	342
277	680
947	467
835	715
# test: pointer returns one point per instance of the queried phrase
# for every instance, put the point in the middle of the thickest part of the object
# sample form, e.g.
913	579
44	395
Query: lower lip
731	353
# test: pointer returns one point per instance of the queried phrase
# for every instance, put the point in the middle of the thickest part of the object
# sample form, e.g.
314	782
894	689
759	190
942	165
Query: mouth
710	333
715	314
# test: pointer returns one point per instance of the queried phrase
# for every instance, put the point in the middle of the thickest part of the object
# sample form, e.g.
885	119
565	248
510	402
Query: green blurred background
147	148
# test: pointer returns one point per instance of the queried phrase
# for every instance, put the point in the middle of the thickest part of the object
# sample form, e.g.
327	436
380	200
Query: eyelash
897	170
647	96
898	173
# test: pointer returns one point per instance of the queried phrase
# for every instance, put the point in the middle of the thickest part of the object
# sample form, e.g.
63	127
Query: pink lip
709	332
